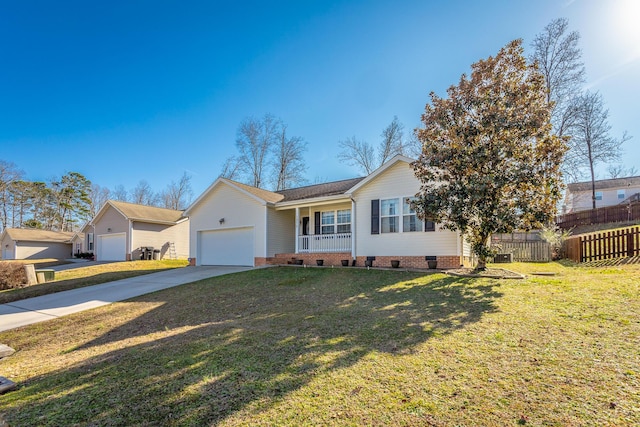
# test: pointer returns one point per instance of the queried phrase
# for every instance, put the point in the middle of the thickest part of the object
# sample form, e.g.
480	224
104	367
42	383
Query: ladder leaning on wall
172	251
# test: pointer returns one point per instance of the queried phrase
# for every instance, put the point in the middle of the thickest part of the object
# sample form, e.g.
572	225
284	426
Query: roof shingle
602	184
149	213
319	190
36	235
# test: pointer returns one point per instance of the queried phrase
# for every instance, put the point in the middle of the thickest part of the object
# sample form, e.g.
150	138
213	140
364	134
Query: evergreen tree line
65	204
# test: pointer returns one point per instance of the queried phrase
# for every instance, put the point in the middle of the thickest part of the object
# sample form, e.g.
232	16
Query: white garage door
226	247
112	247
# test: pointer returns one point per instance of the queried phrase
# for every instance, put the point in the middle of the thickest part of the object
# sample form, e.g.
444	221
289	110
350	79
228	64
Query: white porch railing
324	243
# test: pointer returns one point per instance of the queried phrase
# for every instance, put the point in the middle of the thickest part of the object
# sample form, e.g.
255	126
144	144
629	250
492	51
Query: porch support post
353	229
297	227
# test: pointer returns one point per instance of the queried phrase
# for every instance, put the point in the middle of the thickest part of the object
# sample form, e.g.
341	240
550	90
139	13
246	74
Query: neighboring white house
26	243
123	231
608	192
236	224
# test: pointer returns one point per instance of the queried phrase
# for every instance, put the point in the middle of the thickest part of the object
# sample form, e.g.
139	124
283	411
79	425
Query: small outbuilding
26	243
123	231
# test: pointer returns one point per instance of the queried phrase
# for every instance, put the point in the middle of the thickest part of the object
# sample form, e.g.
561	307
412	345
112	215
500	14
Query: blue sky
127	90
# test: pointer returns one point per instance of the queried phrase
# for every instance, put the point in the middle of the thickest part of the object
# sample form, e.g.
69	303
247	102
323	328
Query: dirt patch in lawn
491	273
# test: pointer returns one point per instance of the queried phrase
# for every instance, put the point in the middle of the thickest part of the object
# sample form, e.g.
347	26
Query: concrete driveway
46	307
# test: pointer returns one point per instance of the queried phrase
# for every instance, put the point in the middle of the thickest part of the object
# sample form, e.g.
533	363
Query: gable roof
266	195
319	190
78	235
36	235
258	194
603	184
373	175
143	213
290	196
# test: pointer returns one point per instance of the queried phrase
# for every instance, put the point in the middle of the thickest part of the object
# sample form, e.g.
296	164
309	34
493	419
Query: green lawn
88	276
308	347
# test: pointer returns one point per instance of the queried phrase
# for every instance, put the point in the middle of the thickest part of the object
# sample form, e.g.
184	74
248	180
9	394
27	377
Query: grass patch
88	276
285	346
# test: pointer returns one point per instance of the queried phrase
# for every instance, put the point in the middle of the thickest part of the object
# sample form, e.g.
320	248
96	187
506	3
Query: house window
328	222
389	215
598	195
78	247
90	241
620	194
344	220
410	222
335	221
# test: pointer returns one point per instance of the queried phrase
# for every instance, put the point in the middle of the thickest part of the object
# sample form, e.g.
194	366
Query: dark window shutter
375	216
316	221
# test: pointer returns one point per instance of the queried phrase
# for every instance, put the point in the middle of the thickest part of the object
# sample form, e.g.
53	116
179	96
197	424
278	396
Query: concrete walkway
39	309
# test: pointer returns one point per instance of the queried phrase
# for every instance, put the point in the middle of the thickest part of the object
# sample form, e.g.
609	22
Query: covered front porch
324	227
324	243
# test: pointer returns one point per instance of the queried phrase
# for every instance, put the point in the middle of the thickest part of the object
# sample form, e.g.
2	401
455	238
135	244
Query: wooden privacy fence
605	245
538	251
617	213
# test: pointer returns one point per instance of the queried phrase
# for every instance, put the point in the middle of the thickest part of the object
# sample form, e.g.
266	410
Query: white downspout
130	240
353	229
297	234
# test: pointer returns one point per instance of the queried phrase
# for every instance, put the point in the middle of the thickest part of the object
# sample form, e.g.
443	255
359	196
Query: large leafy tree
490	162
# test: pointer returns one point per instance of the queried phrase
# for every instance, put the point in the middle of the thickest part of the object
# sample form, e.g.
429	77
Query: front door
305	225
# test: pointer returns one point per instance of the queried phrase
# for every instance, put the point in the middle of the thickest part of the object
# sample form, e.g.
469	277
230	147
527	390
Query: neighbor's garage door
112	247
226	247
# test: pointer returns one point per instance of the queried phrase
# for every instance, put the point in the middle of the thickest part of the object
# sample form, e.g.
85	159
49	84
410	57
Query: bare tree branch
357	153
391	144
231	169
119	193
142	194
98	197
9	173
591	143
288	163
254	141
177	195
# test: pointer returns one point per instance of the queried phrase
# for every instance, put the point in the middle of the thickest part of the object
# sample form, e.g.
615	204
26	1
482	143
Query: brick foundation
260	261
443	262
329	259
192	262
335	260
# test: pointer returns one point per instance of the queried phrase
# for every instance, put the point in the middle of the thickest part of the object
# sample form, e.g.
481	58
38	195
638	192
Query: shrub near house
12	275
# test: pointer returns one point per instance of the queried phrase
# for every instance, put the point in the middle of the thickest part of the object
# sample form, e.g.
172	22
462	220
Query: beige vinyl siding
466	248
8	248
159	236
280	231
41	250
397	181
113	220
581	200
238	210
